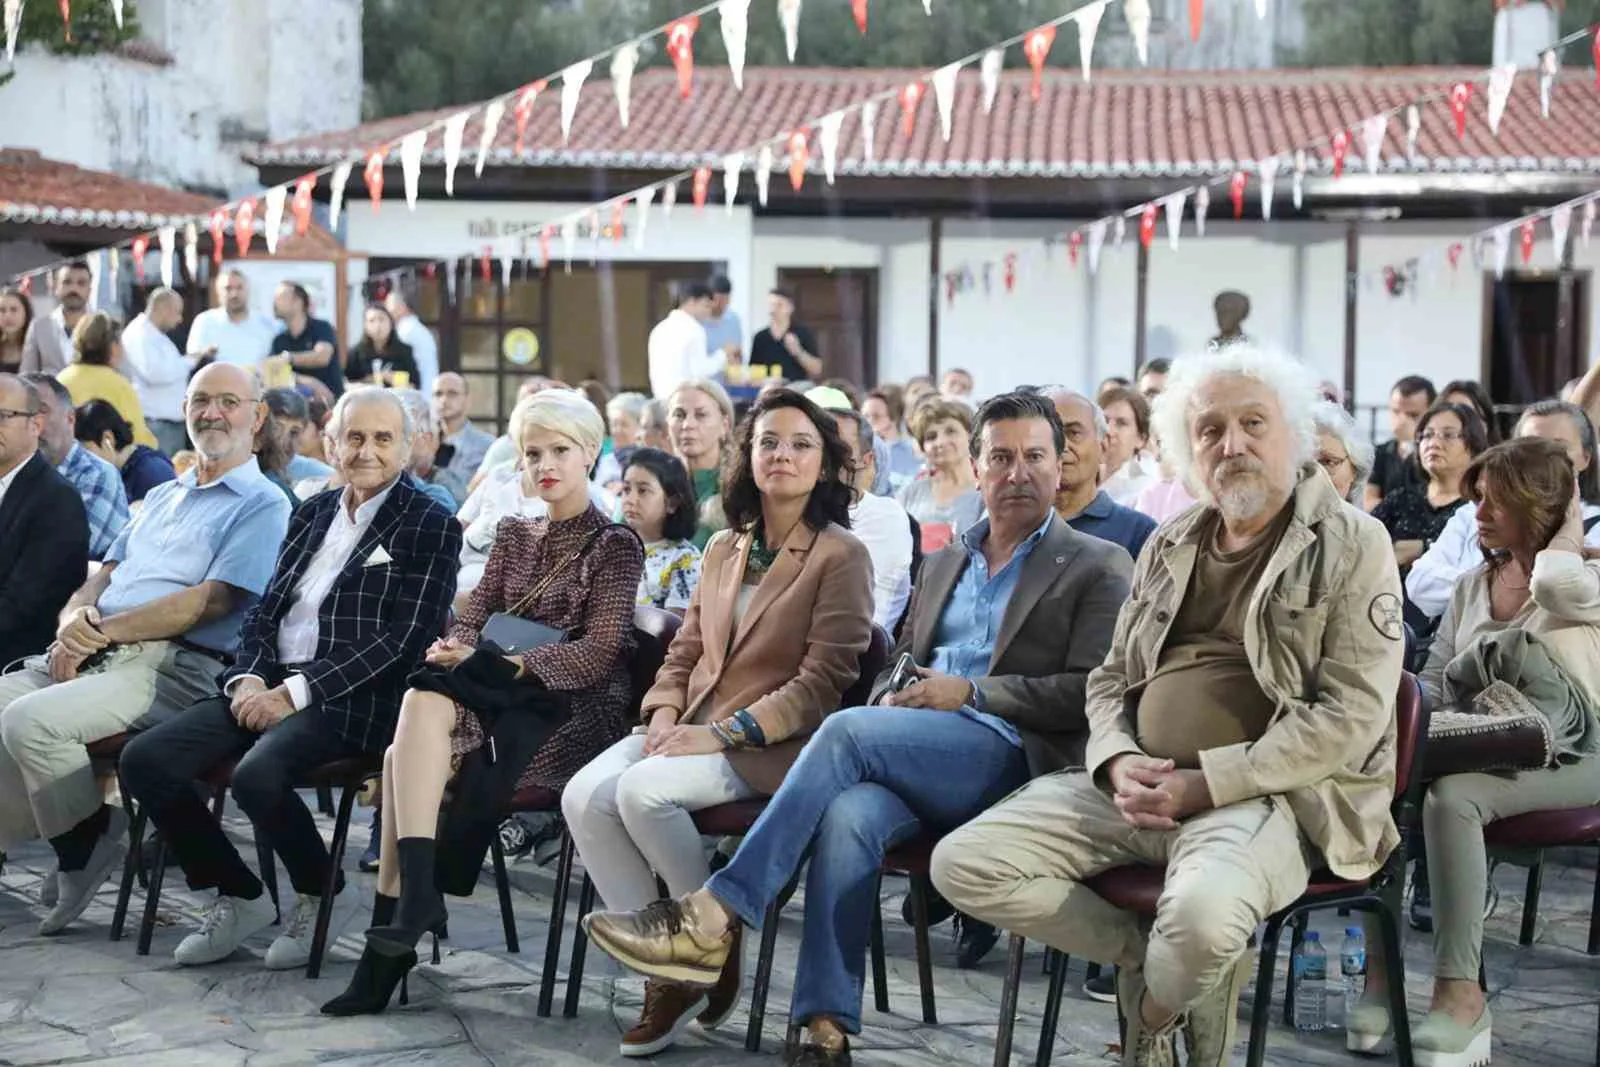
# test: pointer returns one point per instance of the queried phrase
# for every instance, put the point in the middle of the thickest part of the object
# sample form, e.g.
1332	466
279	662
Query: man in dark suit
1006	624
363	584
44	534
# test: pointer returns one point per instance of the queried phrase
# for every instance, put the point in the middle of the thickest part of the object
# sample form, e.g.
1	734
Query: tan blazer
795	652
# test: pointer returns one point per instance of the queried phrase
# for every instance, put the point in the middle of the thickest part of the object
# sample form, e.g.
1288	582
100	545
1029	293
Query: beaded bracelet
721	733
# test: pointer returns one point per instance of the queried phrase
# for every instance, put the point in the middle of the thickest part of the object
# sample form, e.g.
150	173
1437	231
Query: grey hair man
1242	723
159	372
442	482
1342	452
1080	501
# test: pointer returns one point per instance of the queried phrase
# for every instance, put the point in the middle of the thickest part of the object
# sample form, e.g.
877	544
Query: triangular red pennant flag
374	176
702	186
1036	46
910	97
858	8
66	19
485	265
217	225
1460	96
1528	235
1074	243
799	156
302	204
1341	149
244	226
680	46
1236	190
1197	15
524	109
1147	225
141	245
1011	272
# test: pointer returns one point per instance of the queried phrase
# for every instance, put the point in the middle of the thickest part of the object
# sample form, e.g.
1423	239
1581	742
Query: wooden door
1537	335
841	308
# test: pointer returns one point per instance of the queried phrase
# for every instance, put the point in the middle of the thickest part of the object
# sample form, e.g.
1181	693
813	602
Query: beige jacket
1327	643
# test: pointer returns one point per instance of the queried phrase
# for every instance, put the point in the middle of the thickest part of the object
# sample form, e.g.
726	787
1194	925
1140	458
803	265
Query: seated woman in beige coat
771	641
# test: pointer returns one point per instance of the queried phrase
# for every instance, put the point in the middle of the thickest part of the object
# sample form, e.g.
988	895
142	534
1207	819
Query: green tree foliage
93	27
1383	33
422	54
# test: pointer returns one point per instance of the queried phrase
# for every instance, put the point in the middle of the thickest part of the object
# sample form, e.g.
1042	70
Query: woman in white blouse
1532	610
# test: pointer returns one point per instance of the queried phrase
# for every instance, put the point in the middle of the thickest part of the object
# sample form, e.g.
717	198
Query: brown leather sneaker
1141	1046
662	941
668	1008
723	997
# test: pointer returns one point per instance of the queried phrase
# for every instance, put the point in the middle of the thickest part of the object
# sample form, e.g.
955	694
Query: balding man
158	370
1079	499
145	636
414	332
363	584
452	400
231	332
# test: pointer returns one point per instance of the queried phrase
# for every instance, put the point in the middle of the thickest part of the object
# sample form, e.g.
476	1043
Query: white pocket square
378	558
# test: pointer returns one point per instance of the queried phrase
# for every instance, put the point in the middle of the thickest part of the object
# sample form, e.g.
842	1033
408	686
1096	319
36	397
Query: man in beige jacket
1241	728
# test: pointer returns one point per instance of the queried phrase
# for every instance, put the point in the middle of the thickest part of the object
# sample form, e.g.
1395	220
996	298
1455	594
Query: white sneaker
50	886
293	947
226	924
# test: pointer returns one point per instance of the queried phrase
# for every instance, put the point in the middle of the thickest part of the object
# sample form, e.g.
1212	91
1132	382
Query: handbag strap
533	594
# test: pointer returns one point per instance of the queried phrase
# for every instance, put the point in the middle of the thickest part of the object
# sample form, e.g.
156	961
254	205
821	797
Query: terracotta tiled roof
1121	124
36	189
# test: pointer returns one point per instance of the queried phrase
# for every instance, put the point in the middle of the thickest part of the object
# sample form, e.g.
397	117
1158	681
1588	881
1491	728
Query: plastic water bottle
1311	984
1352	970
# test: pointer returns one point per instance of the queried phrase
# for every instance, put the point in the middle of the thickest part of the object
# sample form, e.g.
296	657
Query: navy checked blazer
376	622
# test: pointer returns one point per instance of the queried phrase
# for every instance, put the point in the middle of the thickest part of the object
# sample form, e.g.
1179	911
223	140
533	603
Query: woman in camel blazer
771	641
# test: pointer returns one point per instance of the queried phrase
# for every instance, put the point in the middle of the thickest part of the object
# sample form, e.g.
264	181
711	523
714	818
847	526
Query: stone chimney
1525	28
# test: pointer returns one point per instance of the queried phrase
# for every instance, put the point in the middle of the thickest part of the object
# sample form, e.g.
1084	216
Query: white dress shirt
678	352
5	482
880	523
245	343
300	629
159	372
1433	576
424	349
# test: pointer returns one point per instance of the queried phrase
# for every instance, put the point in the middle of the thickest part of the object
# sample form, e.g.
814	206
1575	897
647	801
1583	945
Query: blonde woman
945	500
700	425
94	374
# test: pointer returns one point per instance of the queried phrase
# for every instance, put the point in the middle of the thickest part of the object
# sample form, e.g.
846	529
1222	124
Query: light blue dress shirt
727	330
302	467
963	641
227	531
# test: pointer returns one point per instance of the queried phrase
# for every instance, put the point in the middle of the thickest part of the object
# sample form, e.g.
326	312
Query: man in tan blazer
1006	625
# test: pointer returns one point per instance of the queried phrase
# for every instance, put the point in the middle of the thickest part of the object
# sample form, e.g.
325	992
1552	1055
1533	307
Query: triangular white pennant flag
491	127
734	16
96	272
789	15
927	7
13	17
869	131
1137	12
669	200
989	67
1268	171
1298	188
569	238
411	148
507	261
1097	240
455	128
166	237
1413	129
1175	205
1502	250
114	262
1088	27
273	219
641	202
1560	227
731	166
1119	231
1373	131
1588	221
623	62
572	80
1549	66
450	266
763	172
191	251
1202	208
828	138
1501	80
336	184
1261	9
944	94
116	12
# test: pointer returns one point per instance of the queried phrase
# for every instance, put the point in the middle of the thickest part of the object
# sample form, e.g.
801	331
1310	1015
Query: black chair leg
1297	934
920	889
502	888
130	869
880	969
580	948
325	800
1395	971
341	830
1594	929
152	899
1259	1014
1008	1002
558	919
1530	901
763	983
268	866
1052	1008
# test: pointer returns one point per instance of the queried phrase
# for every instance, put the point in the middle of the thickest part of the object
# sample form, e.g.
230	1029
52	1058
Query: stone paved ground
80	998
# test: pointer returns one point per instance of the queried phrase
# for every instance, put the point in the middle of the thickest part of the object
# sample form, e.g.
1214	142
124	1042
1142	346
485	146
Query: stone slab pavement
80	998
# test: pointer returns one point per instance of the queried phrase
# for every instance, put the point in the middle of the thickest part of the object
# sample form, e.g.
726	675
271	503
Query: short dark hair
1473	431
1589	479
1017	405
1480	400
777	291
830	500
287	404
693	291
893	400
98	418
299	292
719	285
1123	394
1159	365
43	381
32	401
1412	384
682	514
74	264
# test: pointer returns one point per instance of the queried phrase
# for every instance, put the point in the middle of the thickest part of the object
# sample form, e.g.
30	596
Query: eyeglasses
6	414
1442	436
226	401
1332	463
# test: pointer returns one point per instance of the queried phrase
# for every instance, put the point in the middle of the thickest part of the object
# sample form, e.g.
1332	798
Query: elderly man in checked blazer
363	584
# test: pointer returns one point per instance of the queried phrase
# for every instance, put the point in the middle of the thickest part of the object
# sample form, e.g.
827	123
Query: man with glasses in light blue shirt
146	636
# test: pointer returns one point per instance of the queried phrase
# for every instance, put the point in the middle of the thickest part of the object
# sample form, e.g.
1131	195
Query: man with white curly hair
1241	728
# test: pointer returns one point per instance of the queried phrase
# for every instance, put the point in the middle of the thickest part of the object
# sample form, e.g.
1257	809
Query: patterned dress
593	598
671	571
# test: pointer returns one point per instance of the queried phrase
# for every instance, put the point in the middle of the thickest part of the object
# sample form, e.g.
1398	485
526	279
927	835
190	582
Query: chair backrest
653	631
873	661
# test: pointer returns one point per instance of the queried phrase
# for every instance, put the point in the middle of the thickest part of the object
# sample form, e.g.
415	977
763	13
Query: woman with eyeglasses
1449	437
1341	452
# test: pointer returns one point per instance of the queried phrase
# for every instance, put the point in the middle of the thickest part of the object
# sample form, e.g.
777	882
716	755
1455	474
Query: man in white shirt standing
678	347
374	563
414	332
160	373
231	332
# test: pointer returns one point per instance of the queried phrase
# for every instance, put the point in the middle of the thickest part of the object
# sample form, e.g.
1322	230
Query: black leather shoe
939	909
809	1055
976	941
378	973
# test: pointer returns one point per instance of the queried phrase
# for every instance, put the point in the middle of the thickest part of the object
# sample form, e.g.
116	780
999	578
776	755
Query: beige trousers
46	783
1021	865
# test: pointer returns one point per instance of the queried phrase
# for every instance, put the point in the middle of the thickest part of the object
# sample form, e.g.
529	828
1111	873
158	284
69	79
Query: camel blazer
795	652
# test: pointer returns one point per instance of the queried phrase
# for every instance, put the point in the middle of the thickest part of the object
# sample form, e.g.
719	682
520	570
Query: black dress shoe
977	939
379	971
939	909
809	1055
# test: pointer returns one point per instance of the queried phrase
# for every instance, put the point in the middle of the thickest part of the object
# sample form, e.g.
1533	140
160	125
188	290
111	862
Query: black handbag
507	633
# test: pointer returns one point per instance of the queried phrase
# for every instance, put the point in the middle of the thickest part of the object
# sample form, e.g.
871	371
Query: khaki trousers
46	783
1021	865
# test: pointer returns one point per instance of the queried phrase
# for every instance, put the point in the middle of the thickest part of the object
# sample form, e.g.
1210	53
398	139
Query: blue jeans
870	779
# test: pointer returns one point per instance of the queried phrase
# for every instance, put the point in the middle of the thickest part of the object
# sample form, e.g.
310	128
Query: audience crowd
1162	625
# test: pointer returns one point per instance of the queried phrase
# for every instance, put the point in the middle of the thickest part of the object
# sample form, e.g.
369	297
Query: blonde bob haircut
560	411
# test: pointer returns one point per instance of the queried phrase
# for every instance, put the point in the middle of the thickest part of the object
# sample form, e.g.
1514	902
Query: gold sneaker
1209	1031
662	941
1141	1046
